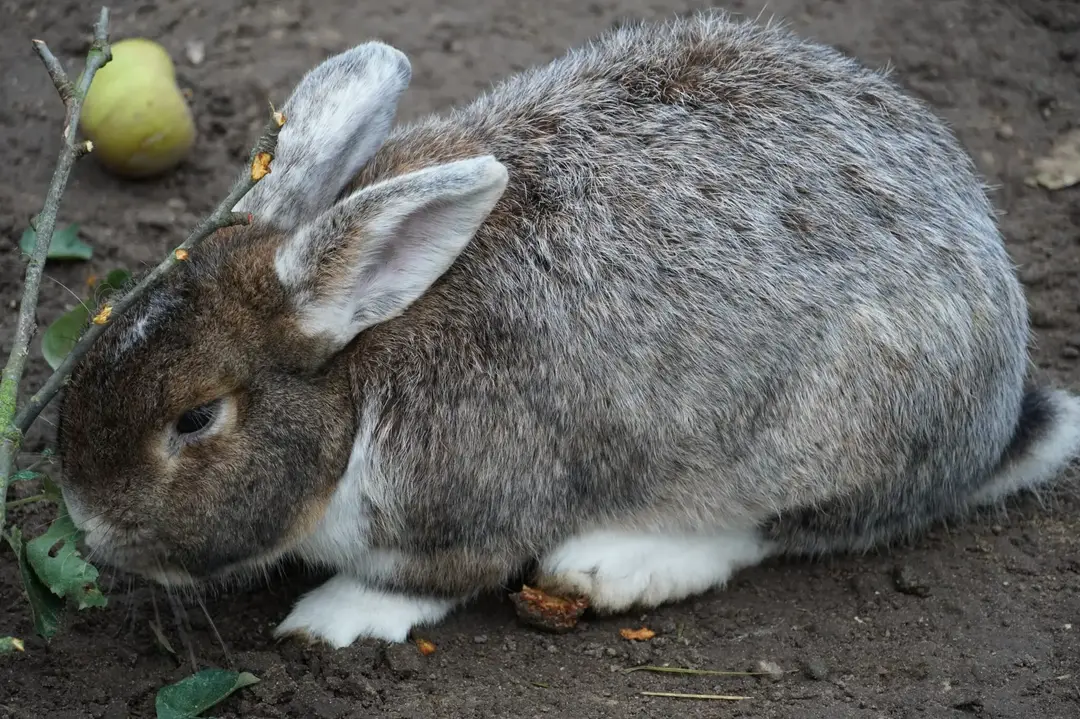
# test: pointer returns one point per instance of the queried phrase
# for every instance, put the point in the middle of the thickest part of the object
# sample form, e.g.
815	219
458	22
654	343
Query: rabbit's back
733	272
704	154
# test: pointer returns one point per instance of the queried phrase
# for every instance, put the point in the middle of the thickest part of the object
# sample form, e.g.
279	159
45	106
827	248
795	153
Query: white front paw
345	609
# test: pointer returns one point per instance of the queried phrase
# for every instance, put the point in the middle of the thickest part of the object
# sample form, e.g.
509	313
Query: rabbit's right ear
337	118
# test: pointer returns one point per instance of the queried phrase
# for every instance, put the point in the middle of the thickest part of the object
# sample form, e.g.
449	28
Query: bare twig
222	216
695	672
705	697
56	72
27	500
72	95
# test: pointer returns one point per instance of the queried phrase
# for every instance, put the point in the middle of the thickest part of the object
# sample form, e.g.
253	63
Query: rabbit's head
207	429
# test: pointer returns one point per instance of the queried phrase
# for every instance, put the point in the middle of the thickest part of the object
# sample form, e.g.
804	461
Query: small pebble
480	639
907	583
196	51
639	653
593	649
814	668
772	669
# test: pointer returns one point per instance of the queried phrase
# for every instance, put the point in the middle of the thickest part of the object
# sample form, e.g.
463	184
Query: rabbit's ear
337	118
374	253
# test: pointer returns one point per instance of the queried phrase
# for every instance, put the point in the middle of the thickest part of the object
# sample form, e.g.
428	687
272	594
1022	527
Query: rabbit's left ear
373	254
337	118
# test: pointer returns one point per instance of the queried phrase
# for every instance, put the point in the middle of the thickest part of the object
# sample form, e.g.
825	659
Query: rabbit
697	295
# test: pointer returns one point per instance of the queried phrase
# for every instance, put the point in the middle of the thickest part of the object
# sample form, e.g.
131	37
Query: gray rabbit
696	294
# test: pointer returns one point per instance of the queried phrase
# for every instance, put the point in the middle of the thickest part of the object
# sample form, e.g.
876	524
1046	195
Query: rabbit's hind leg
620	569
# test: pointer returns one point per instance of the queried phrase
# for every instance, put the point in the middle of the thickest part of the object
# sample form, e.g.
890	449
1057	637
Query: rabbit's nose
78	512
103	536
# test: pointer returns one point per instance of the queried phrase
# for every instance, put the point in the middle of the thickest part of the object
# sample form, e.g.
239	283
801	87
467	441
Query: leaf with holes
65	244
55	558
190	697
45	607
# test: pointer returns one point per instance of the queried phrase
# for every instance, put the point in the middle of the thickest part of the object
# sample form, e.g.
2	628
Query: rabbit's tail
1045	441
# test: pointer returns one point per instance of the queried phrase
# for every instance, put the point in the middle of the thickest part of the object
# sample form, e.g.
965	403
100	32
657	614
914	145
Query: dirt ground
981	620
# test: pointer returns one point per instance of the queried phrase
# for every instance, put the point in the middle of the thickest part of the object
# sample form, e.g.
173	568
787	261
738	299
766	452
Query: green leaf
26	475
51	490
65	244
63	333
193	695
45	607
11	644
117	279
55	558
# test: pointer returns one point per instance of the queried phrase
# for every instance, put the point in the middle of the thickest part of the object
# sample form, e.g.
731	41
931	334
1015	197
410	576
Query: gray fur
734	279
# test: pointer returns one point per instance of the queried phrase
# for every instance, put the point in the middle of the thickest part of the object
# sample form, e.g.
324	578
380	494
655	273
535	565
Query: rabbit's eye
196	419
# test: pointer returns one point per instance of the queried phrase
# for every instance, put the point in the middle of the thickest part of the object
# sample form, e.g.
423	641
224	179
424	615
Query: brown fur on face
218	327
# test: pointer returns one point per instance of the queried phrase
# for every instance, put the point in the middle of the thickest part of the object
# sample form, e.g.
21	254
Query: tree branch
72	96
56	71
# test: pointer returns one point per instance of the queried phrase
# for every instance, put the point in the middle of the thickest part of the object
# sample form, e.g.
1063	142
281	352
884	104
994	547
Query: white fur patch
136	334
158	306
345	609
340	540
94	526
1045	460
619	569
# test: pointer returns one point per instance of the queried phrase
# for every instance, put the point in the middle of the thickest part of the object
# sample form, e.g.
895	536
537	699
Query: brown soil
982	620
